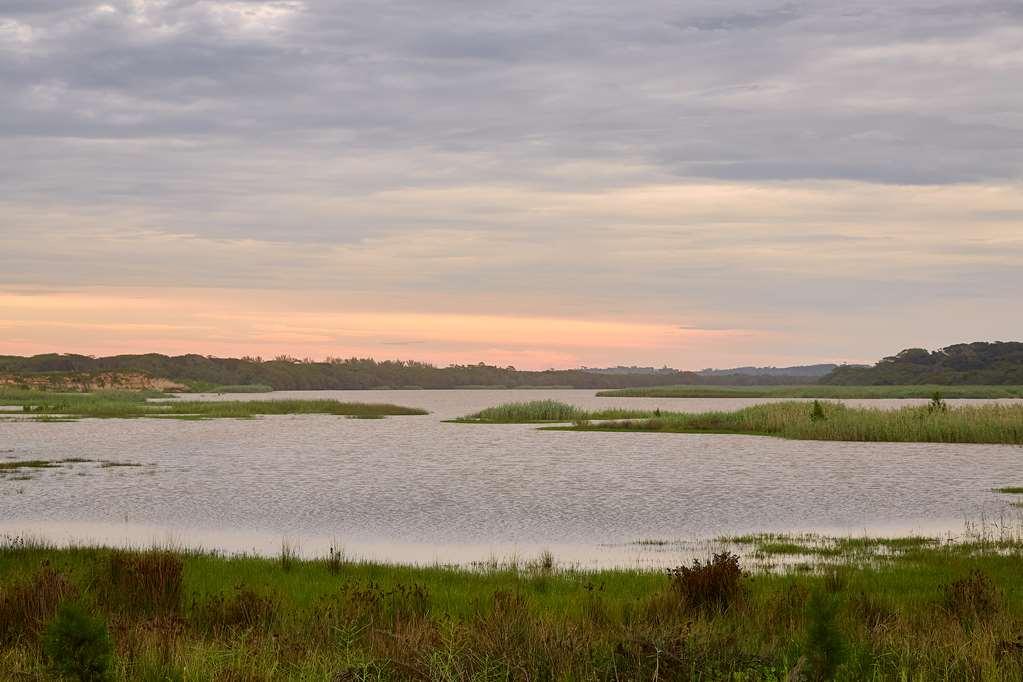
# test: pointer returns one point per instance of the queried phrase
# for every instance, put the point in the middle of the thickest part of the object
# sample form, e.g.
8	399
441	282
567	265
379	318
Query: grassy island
129	404
823	391
934	423
849	610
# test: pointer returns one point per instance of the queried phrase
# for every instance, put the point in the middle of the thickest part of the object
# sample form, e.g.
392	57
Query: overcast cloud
825	179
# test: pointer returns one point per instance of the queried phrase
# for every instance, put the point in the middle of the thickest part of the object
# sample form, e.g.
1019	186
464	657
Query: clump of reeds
538	411
972	597
835	421
244	608
28	604
713	586
143	582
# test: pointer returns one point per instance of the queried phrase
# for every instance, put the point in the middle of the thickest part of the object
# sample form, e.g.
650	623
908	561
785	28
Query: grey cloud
573	75
235	120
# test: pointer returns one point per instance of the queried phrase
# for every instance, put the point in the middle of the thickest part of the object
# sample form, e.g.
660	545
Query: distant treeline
963	363
968	363
286	373
810	371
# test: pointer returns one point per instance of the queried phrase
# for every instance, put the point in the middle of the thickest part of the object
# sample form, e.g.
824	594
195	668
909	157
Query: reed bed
822	391
539	411
935	423
998	424
125	404
924	611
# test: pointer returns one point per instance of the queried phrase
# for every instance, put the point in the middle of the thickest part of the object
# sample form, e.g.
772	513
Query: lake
416	489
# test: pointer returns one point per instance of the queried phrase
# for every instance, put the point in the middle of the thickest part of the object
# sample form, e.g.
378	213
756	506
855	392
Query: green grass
123	404
540	411
818	391
932	611
1010	490
242	388
998	424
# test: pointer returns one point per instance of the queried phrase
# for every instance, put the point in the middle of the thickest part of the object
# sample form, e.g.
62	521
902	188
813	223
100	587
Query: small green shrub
78	644
817	413
826	648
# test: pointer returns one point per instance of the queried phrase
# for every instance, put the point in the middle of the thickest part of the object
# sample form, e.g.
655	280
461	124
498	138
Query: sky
539	184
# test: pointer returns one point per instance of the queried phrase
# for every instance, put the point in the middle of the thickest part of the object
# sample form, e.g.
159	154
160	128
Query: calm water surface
416	489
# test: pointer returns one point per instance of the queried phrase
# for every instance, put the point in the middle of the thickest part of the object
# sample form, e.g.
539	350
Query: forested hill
964	363
286	373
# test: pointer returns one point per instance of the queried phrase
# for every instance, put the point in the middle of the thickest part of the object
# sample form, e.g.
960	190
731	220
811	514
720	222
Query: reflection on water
417	489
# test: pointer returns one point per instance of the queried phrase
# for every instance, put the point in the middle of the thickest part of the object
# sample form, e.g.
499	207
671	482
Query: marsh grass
540	411
27	464
822	391
1000	424
18	470
927	611
127	404
242	388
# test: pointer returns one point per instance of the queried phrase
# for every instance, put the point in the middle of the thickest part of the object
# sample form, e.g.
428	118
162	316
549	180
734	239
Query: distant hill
981	363
200	372
796	371
630	370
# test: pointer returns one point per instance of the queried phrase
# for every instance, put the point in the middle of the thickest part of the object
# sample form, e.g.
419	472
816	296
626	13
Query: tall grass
795	420
538	411
817	391
927	612
125	404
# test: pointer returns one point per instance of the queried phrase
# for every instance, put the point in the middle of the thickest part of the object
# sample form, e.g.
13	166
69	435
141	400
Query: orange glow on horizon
236	323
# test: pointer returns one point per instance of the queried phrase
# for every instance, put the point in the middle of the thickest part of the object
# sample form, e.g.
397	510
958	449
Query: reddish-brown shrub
712	586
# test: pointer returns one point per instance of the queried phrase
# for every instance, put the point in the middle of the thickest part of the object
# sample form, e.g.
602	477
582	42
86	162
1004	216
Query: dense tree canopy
963	363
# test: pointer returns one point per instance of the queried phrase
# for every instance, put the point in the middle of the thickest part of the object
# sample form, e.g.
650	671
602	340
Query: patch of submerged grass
818	391
783	548
18	467
27	464
1010	490
796	420
844	547
944	614
242	388
125	404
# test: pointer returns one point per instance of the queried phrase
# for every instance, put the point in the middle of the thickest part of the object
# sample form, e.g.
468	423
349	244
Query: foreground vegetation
125	404
884	609
933	423
835	392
